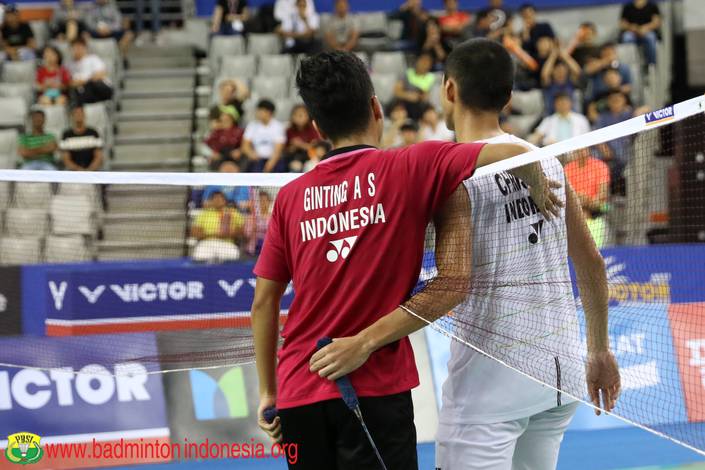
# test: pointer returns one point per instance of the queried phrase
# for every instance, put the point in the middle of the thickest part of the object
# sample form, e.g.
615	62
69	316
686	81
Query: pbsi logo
535	236
23	448
341	248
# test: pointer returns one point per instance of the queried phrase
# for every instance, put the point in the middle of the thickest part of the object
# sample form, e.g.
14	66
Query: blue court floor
613	449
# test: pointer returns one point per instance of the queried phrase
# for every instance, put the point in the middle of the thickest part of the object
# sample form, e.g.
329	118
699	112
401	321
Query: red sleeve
272	262
65	77
41	72
438	168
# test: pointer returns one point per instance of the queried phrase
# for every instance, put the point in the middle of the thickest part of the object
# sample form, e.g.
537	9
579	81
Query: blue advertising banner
97	297
99	394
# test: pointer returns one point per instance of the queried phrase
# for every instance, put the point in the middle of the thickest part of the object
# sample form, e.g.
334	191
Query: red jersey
350	234
60	75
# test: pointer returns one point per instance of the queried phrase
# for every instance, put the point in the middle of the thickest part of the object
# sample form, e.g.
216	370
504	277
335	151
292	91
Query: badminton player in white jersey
494	418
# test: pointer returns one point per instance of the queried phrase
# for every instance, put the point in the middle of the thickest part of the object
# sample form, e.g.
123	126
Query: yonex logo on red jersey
341	248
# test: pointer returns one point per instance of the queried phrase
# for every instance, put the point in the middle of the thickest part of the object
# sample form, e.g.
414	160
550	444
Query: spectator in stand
104	20
562	125
480	28
530	66
617	152
81	146
640	24
155	17
560	75
590	179
342	31
433	43
286	8
299	30
453	21
499	18
392	126
414	17
318	150
217	228
17	38
89	77
37	147
257	222
532	30
409	133
231	92
413	90
264	140
239	196
230	17
52	78
584	46
66	23
612	80
225	140
434	128
300	137
608	58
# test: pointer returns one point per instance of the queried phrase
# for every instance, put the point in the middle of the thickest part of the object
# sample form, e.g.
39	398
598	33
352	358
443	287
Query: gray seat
106	49
32	195
389	62
273	88
222	46
97	118
384	86
629	54
8	142
66	249
275	65
14	112
57	120
263	44
72	214
18	72
373	30
16	251
22	90
284	107
244	66
5	196
24	222
41	32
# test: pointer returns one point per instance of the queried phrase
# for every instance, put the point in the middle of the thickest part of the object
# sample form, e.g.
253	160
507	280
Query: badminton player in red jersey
350	235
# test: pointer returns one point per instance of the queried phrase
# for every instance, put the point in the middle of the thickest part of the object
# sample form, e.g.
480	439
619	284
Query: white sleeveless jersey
520	309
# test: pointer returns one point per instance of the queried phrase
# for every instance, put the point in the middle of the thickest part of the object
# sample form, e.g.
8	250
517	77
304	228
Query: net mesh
157	276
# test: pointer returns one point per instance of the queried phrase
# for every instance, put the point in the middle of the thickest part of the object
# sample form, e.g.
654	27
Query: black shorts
329	436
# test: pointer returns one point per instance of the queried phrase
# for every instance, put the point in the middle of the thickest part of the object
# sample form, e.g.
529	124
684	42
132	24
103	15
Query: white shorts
524	444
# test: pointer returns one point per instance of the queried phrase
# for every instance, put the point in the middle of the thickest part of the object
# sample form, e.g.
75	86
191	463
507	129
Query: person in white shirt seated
285	8
432	128
264	140
89	76
299	30
561	125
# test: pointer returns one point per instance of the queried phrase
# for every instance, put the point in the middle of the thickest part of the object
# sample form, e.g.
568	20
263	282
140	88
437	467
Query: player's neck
471	126
367	138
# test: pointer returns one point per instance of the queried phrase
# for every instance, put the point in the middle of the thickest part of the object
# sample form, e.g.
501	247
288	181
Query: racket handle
269	414
345	387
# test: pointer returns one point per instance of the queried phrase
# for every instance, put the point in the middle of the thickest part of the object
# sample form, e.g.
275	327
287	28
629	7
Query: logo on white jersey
341	248
536	236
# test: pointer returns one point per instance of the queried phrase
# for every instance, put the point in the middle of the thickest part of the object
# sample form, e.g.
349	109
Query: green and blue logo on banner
223	398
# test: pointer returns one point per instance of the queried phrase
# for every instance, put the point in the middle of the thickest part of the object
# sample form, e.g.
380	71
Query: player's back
520	308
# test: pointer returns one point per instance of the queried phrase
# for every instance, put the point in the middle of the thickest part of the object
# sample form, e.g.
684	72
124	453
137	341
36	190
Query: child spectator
608	58
612	80
299	138
640	23
257	222
230	17
562	125
532	30
66	23
37	147
239	196
409	133
392	126
264	140
52	78
226	139
413	90
217	228
17	38
559	75
432	128
433	43
583	45
342	31
299	30
89	77
453	21
81	146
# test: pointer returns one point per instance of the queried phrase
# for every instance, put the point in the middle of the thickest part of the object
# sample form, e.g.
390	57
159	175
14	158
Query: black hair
336	89
608	45
40	111
525	6
409	125
56	51
266	104
79	40
588	24
484	72
562	94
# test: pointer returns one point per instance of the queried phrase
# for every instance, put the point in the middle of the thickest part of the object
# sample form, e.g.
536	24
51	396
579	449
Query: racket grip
269	414
345	387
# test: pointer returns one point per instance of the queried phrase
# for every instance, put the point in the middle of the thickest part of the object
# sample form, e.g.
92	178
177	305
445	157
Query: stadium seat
89	191
373	30
97	118
72	215
22	90
273	88
14	251
106	49
222	46
241	66
32	195
23	222
384	86
283	111
389	62
57	121
18	72
263	44
5	195
8	142
276	65
629	54
41	32
63	47
528	103
394	29
14	111
65	249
